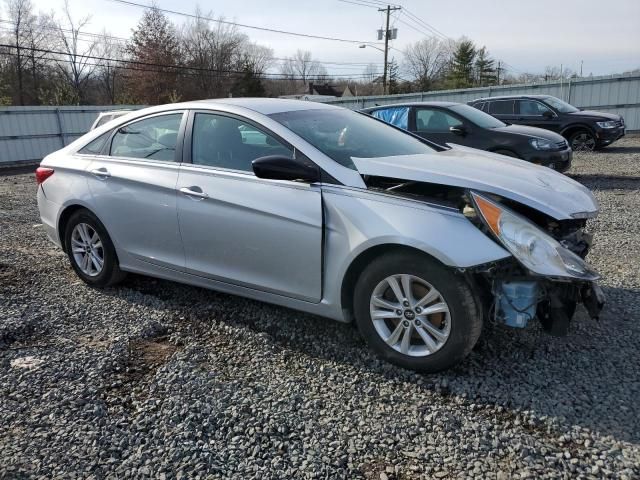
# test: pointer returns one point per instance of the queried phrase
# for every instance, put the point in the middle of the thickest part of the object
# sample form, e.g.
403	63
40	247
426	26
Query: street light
384	75
365	46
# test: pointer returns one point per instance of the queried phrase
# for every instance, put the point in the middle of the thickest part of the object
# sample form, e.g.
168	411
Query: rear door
132	182
503	110
240	229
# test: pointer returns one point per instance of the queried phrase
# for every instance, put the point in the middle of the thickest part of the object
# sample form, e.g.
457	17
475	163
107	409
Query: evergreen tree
154	44
392	79
462	64
248	85
485	69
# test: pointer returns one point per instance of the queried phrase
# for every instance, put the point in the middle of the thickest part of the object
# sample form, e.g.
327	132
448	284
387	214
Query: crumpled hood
537	187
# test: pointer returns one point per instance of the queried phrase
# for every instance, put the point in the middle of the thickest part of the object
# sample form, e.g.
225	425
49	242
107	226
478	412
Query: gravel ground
159	380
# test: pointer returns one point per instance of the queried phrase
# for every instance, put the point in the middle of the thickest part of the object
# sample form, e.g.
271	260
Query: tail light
42	173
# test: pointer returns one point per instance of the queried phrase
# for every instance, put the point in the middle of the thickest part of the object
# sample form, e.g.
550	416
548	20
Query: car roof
510	97
411	104
267	106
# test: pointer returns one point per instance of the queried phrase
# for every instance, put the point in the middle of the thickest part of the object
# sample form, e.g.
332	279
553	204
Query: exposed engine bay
509	292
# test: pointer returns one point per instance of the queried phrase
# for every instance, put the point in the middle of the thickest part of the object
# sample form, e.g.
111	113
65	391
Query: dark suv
585	130
457	123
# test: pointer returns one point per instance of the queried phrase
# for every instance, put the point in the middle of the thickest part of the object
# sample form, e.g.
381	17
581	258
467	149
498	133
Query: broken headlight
532	247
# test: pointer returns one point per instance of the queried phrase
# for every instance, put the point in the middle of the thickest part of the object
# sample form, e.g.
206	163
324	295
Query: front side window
501	107
343	135
398	116
226	142
152	138
432	120
532	108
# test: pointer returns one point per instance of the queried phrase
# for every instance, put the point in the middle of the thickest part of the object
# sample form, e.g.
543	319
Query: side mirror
547	114
279	167
460	130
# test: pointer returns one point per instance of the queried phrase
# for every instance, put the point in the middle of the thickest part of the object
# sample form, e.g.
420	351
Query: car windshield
561	106
342	135
483	120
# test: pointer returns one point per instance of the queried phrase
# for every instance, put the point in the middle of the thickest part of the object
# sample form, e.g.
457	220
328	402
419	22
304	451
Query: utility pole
389	9
498	74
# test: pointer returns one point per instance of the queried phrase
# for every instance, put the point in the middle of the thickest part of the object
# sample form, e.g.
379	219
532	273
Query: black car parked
585	130
449	122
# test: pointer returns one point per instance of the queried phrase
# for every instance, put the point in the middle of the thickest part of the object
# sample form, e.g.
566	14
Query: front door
435	124
237	228
132	182
536	114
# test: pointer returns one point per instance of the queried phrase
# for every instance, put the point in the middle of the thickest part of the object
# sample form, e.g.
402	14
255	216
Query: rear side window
153	138
501	107
94	147
398	116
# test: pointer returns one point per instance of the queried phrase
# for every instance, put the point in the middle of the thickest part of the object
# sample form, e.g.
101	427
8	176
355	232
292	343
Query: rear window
94	147
398	116
501	107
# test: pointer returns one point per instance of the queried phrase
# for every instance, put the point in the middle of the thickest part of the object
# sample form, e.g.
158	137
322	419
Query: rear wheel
416	313
91	251
582	141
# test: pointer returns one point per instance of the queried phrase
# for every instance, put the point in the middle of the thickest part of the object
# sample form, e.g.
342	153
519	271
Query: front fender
356	221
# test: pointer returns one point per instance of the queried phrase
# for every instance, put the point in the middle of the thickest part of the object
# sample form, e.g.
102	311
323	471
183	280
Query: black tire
506	153
582	140
110	273
465	313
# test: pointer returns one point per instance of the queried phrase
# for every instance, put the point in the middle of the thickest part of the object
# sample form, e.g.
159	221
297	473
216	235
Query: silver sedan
327	211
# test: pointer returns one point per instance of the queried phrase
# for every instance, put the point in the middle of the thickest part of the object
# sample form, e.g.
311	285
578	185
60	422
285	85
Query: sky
528	35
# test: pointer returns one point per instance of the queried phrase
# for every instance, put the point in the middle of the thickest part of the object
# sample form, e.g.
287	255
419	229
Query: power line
236	24
274	76
98	36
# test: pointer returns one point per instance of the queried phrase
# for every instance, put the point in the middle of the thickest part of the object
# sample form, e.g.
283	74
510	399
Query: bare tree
21	16
301	69
76	66
109	72
214	52
256	58
427	60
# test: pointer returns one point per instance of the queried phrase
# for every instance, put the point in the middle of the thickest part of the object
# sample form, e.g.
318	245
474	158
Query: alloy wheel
583	142
410	315
87	249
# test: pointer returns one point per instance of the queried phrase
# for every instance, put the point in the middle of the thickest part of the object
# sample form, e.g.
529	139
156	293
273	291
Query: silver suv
327	211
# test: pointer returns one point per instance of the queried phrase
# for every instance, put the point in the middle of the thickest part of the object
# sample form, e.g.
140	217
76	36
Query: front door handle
102	173
193	193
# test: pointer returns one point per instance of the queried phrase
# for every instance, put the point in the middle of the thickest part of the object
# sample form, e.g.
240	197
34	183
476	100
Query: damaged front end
546	276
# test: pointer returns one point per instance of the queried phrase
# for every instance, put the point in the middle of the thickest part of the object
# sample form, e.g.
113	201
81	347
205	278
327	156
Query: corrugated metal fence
615	94
29	133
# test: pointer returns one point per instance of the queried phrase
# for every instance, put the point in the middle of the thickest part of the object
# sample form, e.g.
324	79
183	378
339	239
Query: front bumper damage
513	297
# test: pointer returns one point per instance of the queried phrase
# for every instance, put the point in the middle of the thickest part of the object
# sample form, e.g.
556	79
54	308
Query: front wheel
416	313
582	141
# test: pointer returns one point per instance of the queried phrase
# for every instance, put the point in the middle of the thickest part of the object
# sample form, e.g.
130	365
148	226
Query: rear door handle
193	193
102	173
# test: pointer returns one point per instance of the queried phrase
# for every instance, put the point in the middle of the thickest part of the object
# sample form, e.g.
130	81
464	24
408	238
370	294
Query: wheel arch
360	262
64	217
571	129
